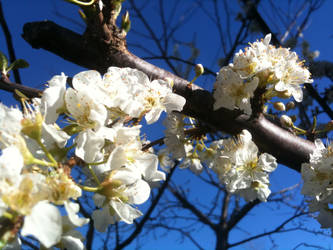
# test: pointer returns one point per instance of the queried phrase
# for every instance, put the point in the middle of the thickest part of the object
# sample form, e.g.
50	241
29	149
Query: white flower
121	188
257	190
273	66
193	163
72	210
61	187
23	194
44	223
318	173
290	74
232	91
11	164
10	125
240	168
127	152
88	146
174	135
160	98
165	160
87	111
254	59
52	100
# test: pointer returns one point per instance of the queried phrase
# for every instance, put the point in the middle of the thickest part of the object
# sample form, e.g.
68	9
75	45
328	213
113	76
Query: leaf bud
125	22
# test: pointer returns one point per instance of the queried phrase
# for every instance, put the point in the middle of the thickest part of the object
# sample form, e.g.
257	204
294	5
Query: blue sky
44	65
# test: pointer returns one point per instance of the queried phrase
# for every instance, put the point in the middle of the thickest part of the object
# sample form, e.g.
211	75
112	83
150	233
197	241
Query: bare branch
278	229
9	42
186	204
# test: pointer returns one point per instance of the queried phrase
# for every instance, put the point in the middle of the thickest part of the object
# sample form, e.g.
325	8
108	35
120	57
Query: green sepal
72	129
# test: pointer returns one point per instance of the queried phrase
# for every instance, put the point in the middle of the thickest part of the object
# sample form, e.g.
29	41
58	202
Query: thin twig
9	42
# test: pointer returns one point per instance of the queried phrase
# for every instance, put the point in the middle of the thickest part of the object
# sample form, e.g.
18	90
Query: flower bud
284	94
199	69
279	106
210	152
293	118
286	121
290	105
200	147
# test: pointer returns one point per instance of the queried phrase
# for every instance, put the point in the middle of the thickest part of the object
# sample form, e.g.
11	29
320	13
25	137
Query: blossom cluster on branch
275	71
98	118
318	183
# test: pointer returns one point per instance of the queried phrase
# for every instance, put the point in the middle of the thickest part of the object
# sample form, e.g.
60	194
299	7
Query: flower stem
82	3
89	189
47	153
94	175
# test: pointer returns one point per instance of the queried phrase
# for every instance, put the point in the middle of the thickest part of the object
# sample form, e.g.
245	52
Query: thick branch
60	41
286	147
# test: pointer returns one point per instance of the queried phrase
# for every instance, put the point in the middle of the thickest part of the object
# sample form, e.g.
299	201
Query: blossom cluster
96	122
275	71
97	119
318	183
242	169
236	162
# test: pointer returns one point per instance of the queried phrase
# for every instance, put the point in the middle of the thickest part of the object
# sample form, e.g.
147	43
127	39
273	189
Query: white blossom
232	91
318	173
273	66
174	135
52	100
10	125
241	170
121	188
44	222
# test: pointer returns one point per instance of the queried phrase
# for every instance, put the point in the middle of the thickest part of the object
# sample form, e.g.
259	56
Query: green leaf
18	64
3	62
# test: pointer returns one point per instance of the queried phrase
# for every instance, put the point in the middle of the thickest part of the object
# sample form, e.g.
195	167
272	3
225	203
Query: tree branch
9	42
186	204
286	147
238	215
9	86
278	229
